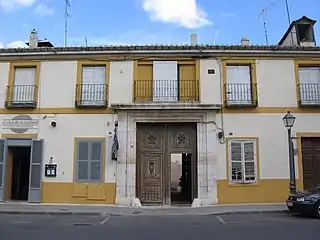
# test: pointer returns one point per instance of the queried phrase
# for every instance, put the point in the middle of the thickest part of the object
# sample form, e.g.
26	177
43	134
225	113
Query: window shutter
235	158
249	155
96	161
82	161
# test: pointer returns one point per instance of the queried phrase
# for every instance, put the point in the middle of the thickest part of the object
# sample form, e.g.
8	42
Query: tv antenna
66	18
289	19
263	14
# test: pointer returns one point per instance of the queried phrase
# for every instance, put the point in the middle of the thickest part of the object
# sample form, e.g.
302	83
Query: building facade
209	114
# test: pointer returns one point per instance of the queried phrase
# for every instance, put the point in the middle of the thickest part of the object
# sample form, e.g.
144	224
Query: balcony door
239	84
24	85
165	81
93	85
309	85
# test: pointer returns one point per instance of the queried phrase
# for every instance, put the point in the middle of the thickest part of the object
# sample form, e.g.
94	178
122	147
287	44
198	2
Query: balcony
166	91
91	96
309	94
240	95
21	96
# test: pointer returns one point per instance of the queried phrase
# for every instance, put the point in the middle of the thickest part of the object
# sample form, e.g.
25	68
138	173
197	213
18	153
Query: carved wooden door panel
150	150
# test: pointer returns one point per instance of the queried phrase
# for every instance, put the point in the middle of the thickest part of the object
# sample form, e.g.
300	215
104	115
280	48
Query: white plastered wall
59	141
273	141
121	82
57	84
4	76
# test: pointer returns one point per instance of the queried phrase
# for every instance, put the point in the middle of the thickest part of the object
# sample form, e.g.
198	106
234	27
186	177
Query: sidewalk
105	210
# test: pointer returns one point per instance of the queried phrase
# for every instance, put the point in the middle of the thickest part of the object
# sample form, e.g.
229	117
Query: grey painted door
2	167
35	171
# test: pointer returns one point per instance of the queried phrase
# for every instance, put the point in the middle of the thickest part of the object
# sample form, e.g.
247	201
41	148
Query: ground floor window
242	160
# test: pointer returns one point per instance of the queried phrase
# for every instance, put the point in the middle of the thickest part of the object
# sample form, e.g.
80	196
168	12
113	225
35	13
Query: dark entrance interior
20	172
181	180
311	162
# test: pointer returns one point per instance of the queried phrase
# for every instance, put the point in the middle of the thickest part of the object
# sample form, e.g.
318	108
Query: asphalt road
240	227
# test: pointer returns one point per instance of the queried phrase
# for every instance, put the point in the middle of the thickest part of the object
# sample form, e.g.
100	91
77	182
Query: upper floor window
22	87
309	85
166	81
242	161
24	84
239	86
93	88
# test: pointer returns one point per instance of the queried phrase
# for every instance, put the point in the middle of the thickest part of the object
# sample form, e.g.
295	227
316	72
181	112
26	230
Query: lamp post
288	121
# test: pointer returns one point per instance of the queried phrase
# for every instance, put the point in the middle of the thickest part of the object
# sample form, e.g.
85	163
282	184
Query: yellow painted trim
271	110
58	111
198	78
81	64
258	110
12	135
135	77
103	155
24	64
78	193
239	62
256	139
300	135
303	63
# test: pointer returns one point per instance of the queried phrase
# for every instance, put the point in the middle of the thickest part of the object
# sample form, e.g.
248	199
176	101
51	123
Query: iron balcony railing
309	94
240	95
21	96
91	95
166	90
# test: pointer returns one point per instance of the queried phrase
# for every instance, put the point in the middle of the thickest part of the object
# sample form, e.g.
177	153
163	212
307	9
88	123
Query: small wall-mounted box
50	170
211	71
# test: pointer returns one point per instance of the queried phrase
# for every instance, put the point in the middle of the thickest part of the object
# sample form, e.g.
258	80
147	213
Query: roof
303	19
126	48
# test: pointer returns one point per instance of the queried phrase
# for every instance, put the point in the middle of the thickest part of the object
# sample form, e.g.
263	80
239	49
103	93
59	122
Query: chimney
245	41
194	39
33	41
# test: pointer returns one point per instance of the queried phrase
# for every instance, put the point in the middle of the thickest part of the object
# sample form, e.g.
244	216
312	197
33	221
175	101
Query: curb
138	213
249	212
50	213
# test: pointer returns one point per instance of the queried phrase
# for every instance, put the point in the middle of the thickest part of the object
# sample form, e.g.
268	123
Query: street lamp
288	121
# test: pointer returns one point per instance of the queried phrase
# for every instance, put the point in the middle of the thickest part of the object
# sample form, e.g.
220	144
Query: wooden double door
311	162
155	144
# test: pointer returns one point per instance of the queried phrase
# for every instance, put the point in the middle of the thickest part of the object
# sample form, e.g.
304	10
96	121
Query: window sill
244	184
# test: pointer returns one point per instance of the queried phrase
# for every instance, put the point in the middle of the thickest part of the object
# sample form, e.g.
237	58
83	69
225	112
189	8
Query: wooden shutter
249	157
36	159
2	157
95	167
242	158
235	159
89	161
82	174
